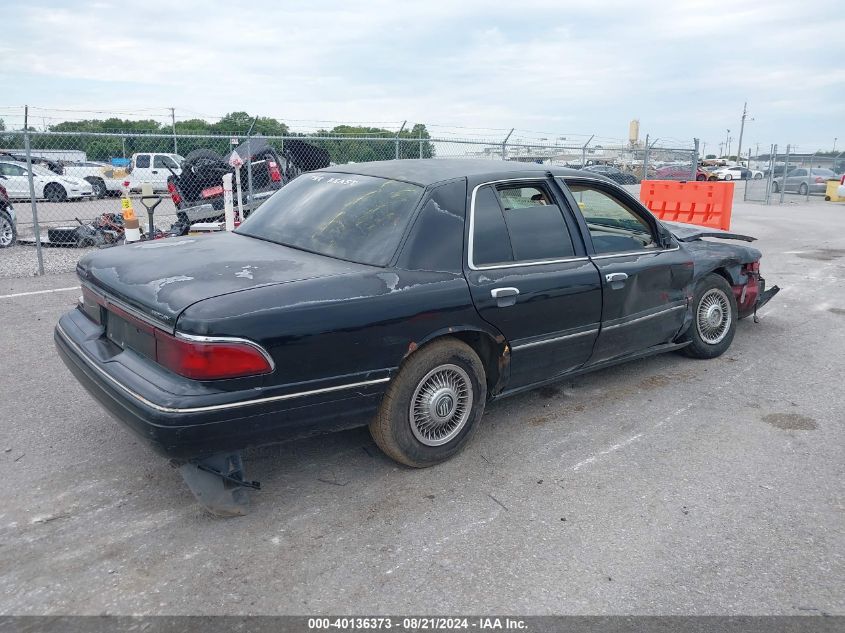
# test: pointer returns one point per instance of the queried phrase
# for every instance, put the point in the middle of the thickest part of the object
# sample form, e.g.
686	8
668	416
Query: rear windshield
351	217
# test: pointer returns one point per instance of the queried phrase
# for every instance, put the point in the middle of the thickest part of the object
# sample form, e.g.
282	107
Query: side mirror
664	236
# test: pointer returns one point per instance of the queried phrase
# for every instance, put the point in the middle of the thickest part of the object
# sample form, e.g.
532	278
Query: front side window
518	223
614	228
347	216
143	160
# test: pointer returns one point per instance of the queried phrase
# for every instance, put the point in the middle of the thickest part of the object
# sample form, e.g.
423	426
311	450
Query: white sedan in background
735	173
47	184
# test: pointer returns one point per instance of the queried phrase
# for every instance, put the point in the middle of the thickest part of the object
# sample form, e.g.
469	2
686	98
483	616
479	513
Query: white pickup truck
153	168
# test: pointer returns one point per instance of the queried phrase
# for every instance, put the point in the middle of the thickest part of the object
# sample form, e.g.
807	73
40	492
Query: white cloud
683	68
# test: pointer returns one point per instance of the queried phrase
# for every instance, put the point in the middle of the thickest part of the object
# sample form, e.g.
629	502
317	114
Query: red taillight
819	179
209	360
753	267
174	193
275	174
197	358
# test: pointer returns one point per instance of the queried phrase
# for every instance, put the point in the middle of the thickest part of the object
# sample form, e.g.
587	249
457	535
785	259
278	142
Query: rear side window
491	244
142	160
535	224
516	223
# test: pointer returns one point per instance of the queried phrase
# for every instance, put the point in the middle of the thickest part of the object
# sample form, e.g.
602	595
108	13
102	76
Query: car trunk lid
161	278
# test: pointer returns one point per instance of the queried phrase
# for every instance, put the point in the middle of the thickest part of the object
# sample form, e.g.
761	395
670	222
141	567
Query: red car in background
679	172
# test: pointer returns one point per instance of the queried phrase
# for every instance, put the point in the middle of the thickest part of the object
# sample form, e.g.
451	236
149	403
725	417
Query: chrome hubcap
5	232
441	405
713	316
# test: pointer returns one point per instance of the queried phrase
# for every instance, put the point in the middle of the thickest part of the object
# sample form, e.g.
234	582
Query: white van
153	168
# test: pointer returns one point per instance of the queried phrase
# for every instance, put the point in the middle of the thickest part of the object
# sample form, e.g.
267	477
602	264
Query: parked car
403	295
615	174
47	184
56	166
104	179
153	168
197	192
735	173
8	220
804	180
676	172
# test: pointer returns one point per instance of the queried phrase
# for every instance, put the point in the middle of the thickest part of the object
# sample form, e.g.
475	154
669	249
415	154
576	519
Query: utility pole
396	139
173	122
835	138
727	141
741	130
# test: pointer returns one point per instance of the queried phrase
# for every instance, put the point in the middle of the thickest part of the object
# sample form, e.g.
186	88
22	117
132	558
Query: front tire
433	406
803	189
54	192
714	318
8	232
729	177
775	187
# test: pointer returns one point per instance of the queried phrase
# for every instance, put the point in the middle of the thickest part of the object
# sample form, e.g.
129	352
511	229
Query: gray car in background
804	180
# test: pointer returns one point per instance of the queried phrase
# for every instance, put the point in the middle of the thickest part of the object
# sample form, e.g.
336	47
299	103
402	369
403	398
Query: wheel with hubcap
98	187
8	233
729	177
432	407
803	189
714	318
775	187
54	192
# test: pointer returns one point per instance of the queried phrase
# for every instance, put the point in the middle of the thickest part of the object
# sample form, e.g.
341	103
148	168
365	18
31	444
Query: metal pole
505	144
421	144
772	155
785	170
727	134
173	121
35	225
747	182
741	130
694	170
645	159
584	151
248	167
396	138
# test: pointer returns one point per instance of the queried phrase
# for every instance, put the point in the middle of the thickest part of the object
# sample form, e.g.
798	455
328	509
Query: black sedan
403	295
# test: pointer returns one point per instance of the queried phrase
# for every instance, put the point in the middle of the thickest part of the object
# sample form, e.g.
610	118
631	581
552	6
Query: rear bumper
195	422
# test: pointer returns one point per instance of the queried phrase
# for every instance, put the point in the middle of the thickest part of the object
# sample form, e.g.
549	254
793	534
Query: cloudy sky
683	68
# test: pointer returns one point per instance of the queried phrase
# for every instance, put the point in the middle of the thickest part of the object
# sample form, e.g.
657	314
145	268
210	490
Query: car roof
429	171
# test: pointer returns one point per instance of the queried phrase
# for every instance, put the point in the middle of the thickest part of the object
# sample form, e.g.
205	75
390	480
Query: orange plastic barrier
702	203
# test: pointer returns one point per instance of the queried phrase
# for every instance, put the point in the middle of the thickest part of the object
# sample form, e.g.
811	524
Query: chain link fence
65	187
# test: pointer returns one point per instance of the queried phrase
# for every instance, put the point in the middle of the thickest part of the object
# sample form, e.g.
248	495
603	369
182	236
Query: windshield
41	170
347	216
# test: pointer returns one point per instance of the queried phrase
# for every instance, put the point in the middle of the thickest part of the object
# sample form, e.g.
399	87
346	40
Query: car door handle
500	293
611	277
505	297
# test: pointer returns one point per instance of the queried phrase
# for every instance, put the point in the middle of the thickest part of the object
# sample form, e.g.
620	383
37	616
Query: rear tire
714	318
433	406
98	186
729	177
775	187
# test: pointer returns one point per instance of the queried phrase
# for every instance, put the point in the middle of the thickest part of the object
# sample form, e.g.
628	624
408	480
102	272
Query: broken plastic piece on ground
764	299
217	483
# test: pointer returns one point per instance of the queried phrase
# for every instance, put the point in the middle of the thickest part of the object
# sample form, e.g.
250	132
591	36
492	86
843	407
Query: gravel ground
665	486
